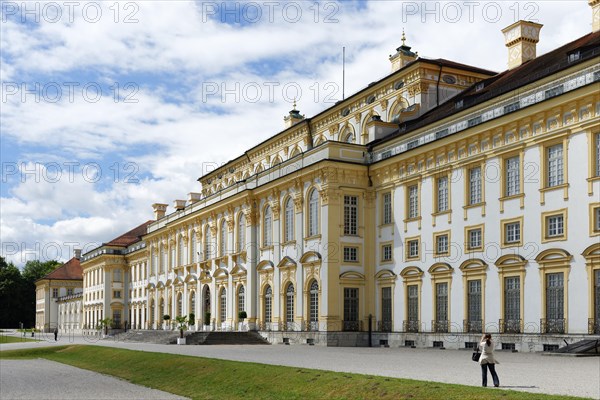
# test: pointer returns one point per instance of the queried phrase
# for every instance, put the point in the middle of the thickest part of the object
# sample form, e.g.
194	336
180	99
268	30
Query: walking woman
487	360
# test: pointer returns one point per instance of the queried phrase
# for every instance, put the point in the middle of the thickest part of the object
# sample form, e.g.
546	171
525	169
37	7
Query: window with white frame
597	154
442	194
223	305
193	246
413	248
555	165
513	232
154	260
207	244
350	215
441	244
118	275
180	249
289	304
413	201
513	180
350	254
387	208
163	259
289	220
475	186
313	213
386	252
555	226
172	255
267	227
597	219
223	241
241	299
474	238
241	233
268	303
117	294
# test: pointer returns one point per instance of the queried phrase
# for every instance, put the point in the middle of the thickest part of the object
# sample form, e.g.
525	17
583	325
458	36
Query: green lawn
14	339
204	378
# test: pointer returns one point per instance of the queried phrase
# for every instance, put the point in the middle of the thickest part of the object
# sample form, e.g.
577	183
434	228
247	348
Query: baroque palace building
439	202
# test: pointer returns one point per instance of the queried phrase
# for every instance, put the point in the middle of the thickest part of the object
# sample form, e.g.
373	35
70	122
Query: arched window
223	241
152	311
192	309
163	261
313	304
207	244
180	250
289	220
313	213
348	137
276	161
162	308
193	247
172	254
289	303
267	227
206	299
241	233
179	305
154	260
223	308
241	299
268	303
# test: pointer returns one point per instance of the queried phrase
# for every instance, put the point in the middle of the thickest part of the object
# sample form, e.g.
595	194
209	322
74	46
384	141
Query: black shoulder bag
475	355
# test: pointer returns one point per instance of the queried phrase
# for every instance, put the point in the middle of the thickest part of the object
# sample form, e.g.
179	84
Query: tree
33	271
105	323
12	310
182	324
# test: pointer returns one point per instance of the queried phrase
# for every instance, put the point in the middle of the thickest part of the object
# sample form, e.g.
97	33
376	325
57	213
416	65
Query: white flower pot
181	340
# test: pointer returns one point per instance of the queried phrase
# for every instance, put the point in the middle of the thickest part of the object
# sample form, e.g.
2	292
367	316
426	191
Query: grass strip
14	339
205	378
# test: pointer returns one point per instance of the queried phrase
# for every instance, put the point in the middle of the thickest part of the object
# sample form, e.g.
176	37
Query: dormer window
371	99
479	86
345	112
398	85
458	104
576	55
449	79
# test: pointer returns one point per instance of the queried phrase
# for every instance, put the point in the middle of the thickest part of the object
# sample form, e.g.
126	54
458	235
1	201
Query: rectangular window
512	304
117	275
55	293
387	208
597	219
386	252
555	302
412	304
597	154
474	239
413	201
513	232
351	322
441	244
117	294
386	304
442	194
441	307
350	215
513	180
555	165
69	292
413	248
555	226
475	186
117	318
474	306
350	254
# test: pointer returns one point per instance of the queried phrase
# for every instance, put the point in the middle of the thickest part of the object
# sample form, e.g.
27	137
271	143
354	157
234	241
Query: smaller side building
59	295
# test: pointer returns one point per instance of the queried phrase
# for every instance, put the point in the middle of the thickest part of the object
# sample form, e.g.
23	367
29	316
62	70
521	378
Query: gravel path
44	379
529	372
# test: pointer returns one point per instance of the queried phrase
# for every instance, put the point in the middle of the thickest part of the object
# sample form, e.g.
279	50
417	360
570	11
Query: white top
487	353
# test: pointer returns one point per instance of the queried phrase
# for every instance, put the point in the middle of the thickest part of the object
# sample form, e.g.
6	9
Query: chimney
77	253
595	4
194	197
293	118
521	39
179	205
159	210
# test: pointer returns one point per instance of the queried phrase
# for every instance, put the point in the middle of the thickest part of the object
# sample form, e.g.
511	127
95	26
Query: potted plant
207	321
166	318
241	317
182	324
105	323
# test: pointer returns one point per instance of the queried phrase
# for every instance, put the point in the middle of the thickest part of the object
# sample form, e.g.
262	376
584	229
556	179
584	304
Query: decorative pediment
220	273
264	266
386	275
160	285
441	269
511	261
592	253
238	270
553	255
352	277
191	278
151	286
178	280
411	272
473	265
310	257
286	262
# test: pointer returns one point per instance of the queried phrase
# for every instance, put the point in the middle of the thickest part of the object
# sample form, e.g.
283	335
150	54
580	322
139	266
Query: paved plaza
529	372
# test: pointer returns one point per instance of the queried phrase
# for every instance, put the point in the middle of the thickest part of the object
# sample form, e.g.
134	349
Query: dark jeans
492	368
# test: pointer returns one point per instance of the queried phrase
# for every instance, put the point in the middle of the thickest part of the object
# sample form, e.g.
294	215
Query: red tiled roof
129	238
71	270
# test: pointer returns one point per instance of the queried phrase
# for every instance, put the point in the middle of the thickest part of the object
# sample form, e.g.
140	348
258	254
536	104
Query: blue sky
82	170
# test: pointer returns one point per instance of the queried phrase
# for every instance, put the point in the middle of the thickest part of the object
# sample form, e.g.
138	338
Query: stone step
219	338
